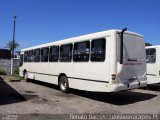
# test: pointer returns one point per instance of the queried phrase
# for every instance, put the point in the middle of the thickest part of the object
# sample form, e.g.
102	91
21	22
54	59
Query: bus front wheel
64	84
25	76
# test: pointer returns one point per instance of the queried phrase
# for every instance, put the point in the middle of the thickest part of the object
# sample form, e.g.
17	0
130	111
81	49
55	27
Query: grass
12	78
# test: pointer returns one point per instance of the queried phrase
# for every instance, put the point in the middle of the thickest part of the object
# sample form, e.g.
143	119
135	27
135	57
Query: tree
10	45
148	44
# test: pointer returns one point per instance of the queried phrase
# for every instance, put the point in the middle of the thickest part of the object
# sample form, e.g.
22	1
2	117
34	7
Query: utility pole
13	43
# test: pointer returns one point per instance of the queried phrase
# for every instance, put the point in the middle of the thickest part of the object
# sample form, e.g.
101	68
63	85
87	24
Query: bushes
2	71
16	71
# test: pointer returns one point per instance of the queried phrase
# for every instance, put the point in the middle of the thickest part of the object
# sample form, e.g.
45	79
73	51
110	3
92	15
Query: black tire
64	84
25	76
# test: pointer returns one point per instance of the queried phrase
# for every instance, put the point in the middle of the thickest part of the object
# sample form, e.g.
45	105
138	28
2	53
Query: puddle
35	98
29	92
14	80
65	95
28	96
39	100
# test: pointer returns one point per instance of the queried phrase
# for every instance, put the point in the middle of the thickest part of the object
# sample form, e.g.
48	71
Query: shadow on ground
8	95
44	84
115	98
152	87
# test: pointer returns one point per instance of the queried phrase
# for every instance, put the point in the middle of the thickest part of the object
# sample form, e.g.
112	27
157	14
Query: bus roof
80	38
155	46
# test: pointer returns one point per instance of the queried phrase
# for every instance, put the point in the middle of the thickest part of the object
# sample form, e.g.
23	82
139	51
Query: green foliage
148	44
10	45
12	78
2	71
16	71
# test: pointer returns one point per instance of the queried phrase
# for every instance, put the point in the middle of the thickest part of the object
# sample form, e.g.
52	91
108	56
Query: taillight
114	76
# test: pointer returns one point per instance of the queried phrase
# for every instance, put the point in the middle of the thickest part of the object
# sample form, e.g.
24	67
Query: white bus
153	64
106	61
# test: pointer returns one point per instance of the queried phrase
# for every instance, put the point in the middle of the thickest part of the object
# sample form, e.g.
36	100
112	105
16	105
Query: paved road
41	98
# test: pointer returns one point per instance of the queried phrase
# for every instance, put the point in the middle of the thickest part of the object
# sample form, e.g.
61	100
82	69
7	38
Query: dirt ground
36	98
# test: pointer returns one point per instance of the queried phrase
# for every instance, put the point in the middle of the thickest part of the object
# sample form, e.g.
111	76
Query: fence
5	64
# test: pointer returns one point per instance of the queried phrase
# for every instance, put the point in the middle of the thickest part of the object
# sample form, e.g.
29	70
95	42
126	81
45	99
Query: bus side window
81	51
26	56
30	56
66	53
151	55
37	55
54	54
98	47
21	60
44	54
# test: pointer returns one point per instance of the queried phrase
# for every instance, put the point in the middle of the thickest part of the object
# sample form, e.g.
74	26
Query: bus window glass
37	55
54	54
30	56
81	51
98	50
66	53
25	56
44	54
150	55
21	60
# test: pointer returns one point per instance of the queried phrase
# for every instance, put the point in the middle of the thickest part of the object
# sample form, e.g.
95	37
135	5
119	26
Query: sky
42	21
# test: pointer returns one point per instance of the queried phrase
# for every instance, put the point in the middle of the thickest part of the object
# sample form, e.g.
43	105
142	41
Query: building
5	54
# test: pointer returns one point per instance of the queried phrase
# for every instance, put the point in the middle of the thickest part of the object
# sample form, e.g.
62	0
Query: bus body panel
90	76
133	68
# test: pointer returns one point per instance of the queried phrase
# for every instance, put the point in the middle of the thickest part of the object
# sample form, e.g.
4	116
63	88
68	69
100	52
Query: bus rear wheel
64	84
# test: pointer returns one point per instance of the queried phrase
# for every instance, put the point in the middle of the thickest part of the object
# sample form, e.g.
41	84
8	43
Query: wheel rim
63	85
